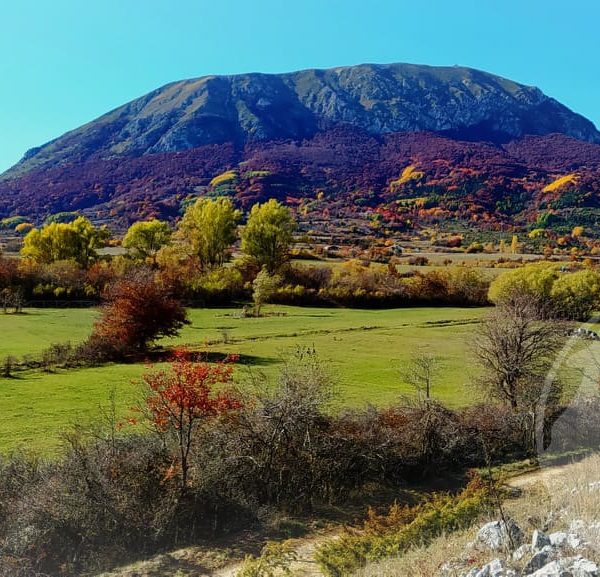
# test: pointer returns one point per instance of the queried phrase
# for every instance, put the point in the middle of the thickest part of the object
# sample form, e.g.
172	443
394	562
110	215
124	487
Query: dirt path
306	566
542	475
304	550
195	561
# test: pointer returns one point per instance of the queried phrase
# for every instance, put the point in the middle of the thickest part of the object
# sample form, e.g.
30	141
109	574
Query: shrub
100	504
415	526
418	261
274	560
474	247
219	286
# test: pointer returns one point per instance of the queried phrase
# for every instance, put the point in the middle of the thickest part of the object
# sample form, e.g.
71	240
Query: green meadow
364	349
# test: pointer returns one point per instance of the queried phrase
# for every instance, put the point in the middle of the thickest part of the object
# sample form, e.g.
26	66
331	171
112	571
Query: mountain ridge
409	143
461	102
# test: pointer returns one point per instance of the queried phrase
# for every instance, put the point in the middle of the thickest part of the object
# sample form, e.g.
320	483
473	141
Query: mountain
348	131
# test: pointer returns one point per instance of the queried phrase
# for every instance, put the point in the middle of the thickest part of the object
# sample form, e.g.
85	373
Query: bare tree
420	372
516	351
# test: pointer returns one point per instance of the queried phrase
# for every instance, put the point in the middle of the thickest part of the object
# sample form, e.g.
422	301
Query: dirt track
304	548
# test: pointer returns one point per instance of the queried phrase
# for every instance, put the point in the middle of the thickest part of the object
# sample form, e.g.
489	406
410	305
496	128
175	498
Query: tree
180	400
264	287
576	295
77	240
144	239
577	231
516	351
559	293
420	372
23	228
535	280
514	244
268	234
208	227
138	311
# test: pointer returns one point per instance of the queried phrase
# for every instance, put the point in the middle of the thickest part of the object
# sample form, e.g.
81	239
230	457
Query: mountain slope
407	144
417	177
461	102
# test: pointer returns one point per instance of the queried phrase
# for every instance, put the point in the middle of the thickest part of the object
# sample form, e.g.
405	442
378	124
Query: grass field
363	348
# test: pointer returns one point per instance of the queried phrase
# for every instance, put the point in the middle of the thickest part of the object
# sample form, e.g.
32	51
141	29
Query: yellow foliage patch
224	178
418	201
561	182
408	174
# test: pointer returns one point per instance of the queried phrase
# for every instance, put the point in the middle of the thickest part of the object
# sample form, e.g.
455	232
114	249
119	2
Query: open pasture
364	348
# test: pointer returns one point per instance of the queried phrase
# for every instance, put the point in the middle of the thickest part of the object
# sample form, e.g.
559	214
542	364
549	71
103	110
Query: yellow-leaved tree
208	229
77	241
144	239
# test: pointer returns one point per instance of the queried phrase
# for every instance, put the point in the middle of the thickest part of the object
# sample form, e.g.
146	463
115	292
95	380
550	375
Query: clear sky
65	62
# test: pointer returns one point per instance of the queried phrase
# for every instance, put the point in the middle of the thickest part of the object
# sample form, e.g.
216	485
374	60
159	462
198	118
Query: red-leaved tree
138	310
181	400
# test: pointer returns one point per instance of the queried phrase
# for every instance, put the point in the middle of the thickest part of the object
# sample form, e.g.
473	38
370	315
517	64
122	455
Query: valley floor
365	350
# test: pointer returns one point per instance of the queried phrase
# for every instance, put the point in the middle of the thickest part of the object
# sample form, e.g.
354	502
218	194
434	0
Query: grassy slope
365	348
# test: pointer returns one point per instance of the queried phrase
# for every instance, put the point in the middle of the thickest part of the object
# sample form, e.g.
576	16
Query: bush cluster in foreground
115	495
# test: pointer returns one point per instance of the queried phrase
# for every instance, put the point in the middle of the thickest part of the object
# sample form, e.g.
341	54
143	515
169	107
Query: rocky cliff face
459	102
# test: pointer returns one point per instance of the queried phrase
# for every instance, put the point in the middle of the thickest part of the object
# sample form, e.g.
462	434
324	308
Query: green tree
144	239
268	234
77	241
263	288
208	227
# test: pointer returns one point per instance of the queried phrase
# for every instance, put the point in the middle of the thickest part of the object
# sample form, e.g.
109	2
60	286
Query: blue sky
65	62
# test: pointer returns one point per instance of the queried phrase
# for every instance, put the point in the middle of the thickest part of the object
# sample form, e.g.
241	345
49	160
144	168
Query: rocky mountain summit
461	102
413	144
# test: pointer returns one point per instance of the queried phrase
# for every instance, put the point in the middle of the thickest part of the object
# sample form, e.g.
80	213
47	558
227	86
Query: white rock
575	541
584	568
558	568
568	567
521	552
495	568
498	535
539	540
558	539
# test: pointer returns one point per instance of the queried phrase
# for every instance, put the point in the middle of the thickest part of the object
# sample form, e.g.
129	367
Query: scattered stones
543	555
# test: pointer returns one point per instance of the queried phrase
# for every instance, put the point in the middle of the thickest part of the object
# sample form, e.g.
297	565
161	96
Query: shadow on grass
164	356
